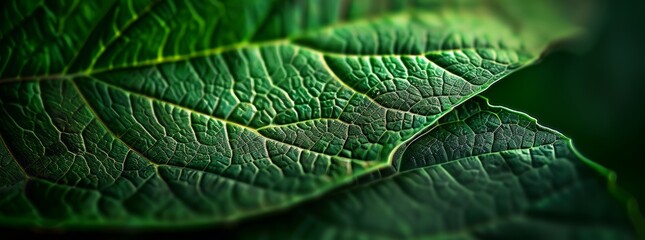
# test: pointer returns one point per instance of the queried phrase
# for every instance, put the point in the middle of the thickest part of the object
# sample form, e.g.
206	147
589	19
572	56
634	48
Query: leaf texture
176	113
480	172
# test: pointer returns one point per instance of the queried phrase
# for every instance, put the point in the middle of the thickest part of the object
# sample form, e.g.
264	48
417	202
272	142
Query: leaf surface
175	113
480	172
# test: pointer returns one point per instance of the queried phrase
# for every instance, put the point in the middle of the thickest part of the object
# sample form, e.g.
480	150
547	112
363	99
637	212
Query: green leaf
176	113
480	172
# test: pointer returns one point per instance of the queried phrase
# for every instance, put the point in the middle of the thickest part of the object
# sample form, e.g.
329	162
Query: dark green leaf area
183	113
481	172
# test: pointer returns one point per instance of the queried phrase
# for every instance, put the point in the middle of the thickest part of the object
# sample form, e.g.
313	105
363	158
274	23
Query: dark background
594	93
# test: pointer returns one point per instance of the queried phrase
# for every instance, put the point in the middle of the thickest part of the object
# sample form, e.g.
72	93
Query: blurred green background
594	94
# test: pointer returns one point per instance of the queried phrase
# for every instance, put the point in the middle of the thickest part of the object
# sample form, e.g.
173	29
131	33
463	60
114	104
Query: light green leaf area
176	113
482	172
